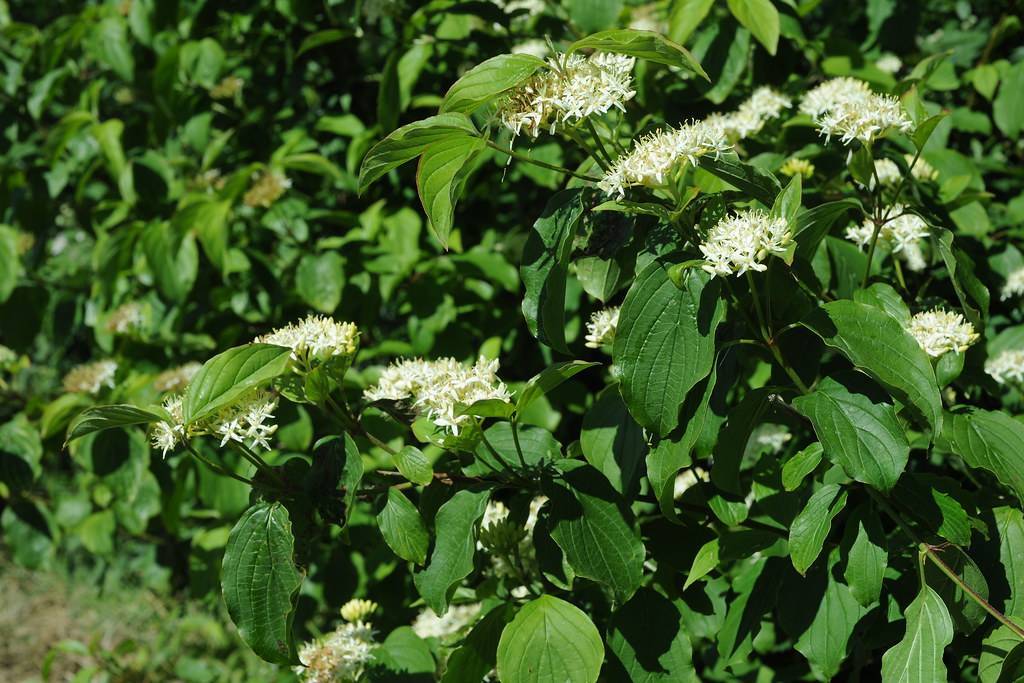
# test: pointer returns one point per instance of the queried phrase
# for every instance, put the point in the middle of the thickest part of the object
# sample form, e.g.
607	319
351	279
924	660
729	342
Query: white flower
794	166
847	107
742	241
495	512
687	479
572	88
656	155
176	379
601	327
246	421
922	170
90	378
889	63
536	47
454	621
436	388
128	318
339	657
939	331
762	106
357	610
167	435
913	256
1014	285
887	171
1007	367
901	232
266	189
316	337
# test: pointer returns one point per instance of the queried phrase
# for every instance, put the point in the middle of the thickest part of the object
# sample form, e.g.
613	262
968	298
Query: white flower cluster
795	166
601	327
761	107
246	421
1007	367
316	337
339	657
742	241
939	331
656	155
436	388
90	378
176	379
128	318
454	621
902	233
266	189
774	436
922	170
889	63
1014	285
687	479
847	108
572	88
887	173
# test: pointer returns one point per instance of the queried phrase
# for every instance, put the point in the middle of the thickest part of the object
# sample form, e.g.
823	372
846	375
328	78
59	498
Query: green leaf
230	374
1010	525
404	652
549	378
990	440
867	556
613	442
537	446
810	528
21	453
685	16
320	279
800	465
966	612
1008	106
594	15
173	260
10	262
321	38
857	432
925	129
403	528
972	293
787	203
550	640
880	346
649	641
665	342
648	45
261	582
918	657
443	169
759	17
487	80
1000	657
884	297
761	185
414	466
452	559
209	221
545	265
812	225
704	561
408	142
592	526
107	417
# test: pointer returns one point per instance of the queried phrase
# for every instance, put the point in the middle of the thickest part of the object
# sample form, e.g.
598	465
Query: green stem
515	439
599	143
260	463
871	251
765	331
543	164
578	139
217	468
790	372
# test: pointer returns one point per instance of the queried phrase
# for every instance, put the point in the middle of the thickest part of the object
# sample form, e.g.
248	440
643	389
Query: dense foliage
515	341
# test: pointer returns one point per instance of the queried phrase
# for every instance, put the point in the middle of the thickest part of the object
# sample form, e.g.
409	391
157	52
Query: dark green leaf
414	466
107	417
649	641
760	185
761	18
454	548
442	172
549	378
550	640
990	440
230	374
648	45
810	528
403	529
487	80
800	465
918	657
613	442
408	142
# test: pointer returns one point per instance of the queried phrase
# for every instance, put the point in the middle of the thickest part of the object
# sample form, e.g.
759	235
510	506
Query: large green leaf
990	440
107	417
918	657
810	528
592	526
760	185
649	641
648	45
1008	107
478	653
685	16
229	374
812	225
761	18
487	80
545	265
402	528
613	442
454	548
408	142
857	432
442	172
550	640
1010	525
878	344
261	582
867	556
414	466
320	279
547	379
10	262
535	444
665	342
